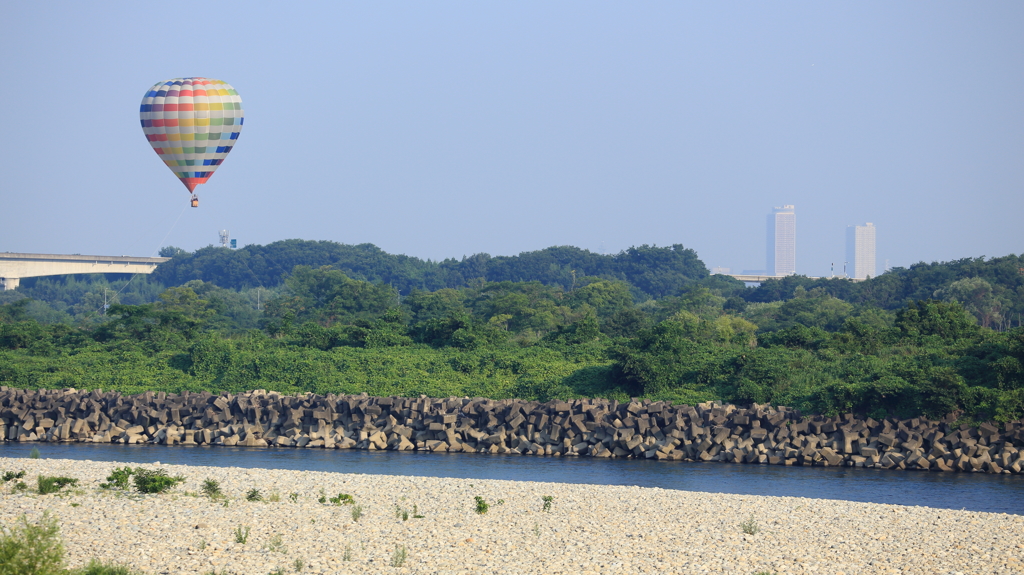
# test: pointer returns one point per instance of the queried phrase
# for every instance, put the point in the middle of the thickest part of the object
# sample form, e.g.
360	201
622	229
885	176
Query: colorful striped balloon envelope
192	124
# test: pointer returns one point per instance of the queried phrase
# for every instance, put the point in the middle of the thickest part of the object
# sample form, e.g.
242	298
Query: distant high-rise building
782	241
860	251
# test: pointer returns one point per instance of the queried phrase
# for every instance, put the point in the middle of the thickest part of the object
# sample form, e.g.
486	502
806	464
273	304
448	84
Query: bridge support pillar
9	283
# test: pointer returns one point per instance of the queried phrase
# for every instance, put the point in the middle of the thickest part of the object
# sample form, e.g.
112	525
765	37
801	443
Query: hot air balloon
192	123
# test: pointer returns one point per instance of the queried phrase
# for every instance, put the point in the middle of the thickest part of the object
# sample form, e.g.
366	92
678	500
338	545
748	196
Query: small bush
298	565
34	454
32	548
750	527
481	505
399	556
211	488
347	554
343	499
276	544
357	512
20	486
254	495
48	484
118	478
241	535
402	514
11	475
293	496
274	497
154	480
547	499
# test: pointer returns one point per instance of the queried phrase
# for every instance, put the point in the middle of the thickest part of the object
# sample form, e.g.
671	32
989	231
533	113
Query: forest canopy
556	323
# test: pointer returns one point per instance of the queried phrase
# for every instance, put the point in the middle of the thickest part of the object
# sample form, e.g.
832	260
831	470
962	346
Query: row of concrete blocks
597	428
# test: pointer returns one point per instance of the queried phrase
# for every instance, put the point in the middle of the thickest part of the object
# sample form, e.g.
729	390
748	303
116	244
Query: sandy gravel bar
589	529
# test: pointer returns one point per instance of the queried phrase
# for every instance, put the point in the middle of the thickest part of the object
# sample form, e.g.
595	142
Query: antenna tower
225	238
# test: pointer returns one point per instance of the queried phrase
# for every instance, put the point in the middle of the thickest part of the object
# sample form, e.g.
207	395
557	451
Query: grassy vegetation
925	341
36	548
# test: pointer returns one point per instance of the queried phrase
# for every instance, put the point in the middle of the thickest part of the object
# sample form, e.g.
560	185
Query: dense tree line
653	271
927	340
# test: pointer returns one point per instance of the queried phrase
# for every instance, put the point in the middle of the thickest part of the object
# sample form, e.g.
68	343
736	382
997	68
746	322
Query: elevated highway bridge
14	266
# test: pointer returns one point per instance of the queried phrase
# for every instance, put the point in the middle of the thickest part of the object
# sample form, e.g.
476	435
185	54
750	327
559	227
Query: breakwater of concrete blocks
584	427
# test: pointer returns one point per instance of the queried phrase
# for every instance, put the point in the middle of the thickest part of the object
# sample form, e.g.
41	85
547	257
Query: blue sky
446	129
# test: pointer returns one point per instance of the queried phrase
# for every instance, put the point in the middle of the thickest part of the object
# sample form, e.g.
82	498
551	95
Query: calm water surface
973	491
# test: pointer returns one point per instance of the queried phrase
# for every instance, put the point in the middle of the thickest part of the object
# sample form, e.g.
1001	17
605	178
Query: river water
972	491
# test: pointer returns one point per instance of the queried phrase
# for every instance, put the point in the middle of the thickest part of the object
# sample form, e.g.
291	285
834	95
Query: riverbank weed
750	527
154	480
346	555
47	485
31	548
298	565
294	497
211	488
274	497
254	495
343	499
357	512
118	478
12	475
402	514
34	454
547	499
276	544
399	556
481	505
241	534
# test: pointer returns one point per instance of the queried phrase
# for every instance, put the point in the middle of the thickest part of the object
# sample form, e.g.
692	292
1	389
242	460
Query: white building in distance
782	241
860	251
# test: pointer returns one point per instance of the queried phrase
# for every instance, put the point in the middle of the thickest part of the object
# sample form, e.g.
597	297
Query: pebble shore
589	528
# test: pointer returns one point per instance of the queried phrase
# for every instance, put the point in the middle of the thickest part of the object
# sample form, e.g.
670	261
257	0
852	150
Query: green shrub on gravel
47	484
750	527
154	480
254	495
118	478
11	475
36	549
343	499
481	505
211	488
32	548
399	556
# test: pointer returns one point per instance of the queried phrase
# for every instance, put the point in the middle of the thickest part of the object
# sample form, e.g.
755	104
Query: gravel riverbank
589	528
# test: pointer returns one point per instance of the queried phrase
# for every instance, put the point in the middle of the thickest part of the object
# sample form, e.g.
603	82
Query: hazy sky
445	129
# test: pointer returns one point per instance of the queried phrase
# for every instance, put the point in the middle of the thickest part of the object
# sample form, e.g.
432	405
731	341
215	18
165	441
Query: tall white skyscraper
782	241
860	251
